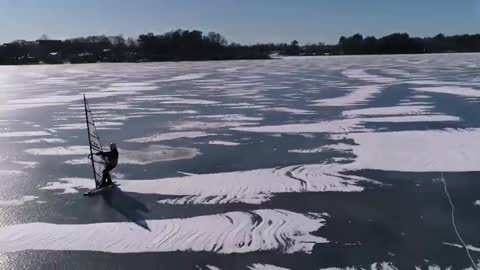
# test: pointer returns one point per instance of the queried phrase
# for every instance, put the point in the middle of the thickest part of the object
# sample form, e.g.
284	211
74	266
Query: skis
99	190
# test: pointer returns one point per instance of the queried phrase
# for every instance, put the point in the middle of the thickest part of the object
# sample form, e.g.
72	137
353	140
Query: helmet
113	146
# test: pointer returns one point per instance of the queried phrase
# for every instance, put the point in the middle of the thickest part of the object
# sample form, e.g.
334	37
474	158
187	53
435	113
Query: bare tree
217	38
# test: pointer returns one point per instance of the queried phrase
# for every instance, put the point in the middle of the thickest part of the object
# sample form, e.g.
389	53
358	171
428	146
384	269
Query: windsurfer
111	159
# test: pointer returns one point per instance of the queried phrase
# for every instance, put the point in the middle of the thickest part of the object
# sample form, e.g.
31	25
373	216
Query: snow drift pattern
234	232
253	187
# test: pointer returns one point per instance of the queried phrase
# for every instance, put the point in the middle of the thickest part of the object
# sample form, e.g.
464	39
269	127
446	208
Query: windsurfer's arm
104	154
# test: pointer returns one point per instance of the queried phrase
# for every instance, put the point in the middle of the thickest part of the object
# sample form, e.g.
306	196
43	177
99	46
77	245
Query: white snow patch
340	159
10	172
415	103
344	125
155	98
397	72
337	268
149	155
76	150
361	74
384	266
16	107
234	104
156	153
27	164
233	232
192	76
147	113
168	99
413	118
307	151
258	266
436	267
188	101
306	135
131	86
334	126
252	187
47	140
170	136
198	125
180	112
104	107
55	99
374	266
81	126
17	202
230	117
249	107
287	110
360	95
437	82
224	143
118	175
211	267
418	151
230	69
453	90
69	185
477	203
421	97
341	146
470	247
23	134
80	161
397	110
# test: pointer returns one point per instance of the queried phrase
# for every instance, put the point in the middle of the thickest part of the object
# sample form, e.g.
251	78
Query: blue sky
244	21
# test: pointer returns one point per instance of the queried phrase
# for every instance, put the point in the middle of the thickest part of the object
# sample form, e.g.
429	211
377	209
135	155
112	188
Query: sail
98	163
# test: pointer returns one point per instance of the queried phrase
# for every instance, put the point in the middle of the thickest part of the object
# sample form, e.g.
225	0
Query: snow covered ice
314	162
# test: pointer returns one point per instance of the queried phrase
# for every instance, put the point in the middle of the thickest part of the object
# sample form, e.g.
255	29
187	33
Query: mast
89	141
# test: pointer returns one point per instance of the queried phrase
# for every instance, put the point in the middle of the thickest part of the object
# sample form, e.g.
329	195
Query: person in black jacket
111	159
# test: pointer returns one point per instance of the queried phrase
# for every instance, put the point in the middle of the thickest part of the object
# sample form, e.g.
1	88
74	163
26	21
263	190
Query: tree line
179	45
397	43
183	45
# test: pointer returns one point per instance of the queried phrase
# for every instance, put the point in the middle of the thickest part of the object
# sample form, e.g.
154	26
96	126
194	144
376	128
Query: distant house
17	52
49	42
23	60
20	42
86	57
44	47
53	58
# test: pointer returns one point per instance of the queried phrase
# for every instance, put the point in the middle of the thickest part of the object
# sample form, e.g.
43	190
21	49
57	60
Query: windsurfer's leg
104	178
107	180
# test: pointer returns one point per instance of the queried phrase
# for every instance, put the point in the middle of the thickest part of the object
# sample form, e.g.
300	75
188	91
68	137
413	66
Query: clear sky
244	21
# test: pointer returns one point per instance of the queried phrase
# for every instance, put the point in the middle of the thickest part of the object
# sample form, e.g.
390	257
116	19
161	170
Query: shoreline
279	57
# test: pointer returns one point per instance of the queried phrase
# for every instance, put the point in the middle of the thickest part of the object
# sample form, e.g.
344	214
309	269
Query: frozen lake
297	163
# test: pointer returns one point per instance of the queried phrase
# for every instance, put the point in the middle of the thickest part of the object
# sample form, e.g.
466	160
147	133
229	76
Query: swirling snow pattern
234	232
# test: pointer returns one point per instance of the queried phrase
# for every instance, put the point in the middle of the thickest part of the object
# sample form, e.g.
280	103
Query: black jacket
111	157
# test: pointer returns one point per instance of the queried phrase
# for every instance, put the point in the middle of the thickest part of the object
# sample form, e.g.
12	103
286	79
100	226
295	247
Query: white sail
98	163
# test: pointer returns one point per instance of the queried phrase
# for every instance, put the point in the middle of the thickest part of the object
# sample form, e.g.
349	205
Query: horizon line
126	37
